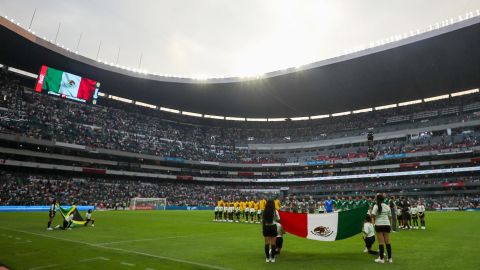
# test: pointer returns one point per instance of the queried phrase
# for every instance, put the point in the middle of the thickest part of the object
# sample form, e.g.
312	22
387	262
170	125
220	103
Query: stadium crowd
127	127
27	189
365	186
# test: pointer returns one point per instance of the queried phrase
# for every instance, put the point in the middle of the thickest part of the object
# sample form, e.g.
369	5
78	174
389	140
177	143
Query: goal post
148	203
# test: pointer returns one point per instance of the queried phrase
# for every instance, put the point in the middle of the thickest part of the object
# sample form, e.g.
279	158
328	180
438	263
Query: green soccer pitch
191	240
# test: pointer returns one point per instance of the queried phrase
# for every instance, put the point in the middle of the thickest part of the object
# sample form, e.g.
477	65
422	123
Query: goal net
148	203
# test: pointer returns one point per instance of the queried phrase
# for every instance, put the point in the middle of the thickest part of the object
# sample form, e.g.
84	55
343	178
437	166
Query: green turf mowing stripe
169	237
123	250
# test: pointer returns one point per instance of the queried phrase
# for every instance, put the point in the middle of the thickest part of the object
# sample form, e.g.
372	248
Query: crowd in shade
127	127
365	187
28	189
24	189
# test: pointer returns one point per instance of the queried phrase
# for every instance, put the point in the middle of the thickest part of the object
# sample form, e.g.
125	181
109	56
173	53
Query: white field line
127	264
43	267
141	240
95	259
166	237
119	249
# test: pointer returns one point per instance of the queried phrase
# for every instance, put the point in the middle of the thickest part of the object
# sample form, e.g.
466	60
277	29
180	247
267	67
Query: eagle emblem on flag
322	231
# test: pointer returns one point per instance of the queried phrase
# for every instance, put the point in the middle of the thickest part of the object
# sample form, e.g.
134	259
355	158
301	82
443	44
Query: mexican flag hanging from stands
324	227
64	83
77	218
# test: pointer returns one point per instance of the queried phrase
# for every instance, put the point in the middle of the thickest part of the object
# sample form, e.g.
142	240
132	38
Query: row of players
407	214
249	210
309	205
403	212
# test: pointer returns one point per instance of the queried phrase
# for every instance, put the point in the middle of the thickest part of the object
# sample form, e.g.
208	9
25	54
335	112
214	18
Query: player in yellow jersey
251	205
230	212
256	206
236	209
247	210
218	210
225	212
277	204
263	202
242	209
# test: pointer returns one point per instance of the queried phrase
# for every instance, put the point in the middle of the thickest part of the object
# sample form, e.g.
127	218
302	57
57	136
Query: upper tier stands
125	127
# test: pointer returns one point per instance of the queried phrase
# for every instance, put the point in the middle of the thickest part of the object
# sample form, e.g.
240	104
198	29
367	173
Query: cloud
212	37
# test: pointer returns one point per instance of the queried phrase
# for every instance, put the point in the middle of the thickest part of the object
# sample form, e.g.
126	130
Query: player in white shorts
252	214
247	213
236	211
399	218
414	214
216	213
421	214
230	212
225	212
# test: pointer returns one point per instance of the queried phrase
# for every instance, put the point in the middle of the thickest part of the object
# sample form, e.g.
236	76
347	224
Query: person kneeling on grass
279	238
89	218
67	222
369	235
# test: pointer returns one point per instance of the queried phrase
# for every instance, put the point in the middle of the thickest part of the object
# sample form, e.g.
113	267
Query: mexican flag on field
324	227
77	218
63	83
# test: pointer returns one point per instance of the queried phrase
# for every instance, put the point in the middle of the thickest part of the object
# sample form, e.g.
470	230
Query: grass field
190	240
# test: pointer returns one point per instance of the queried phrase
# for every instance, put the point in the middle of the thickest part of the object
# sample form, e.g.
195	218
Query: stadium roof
437	62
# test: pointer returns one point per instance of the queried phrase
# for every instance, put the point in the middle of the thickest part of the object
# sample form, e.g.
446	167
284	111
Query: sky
225	38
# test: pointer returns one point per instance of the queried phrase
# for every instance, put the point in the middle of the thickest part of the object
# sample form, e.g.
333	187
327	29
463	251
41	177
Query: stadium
141	170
